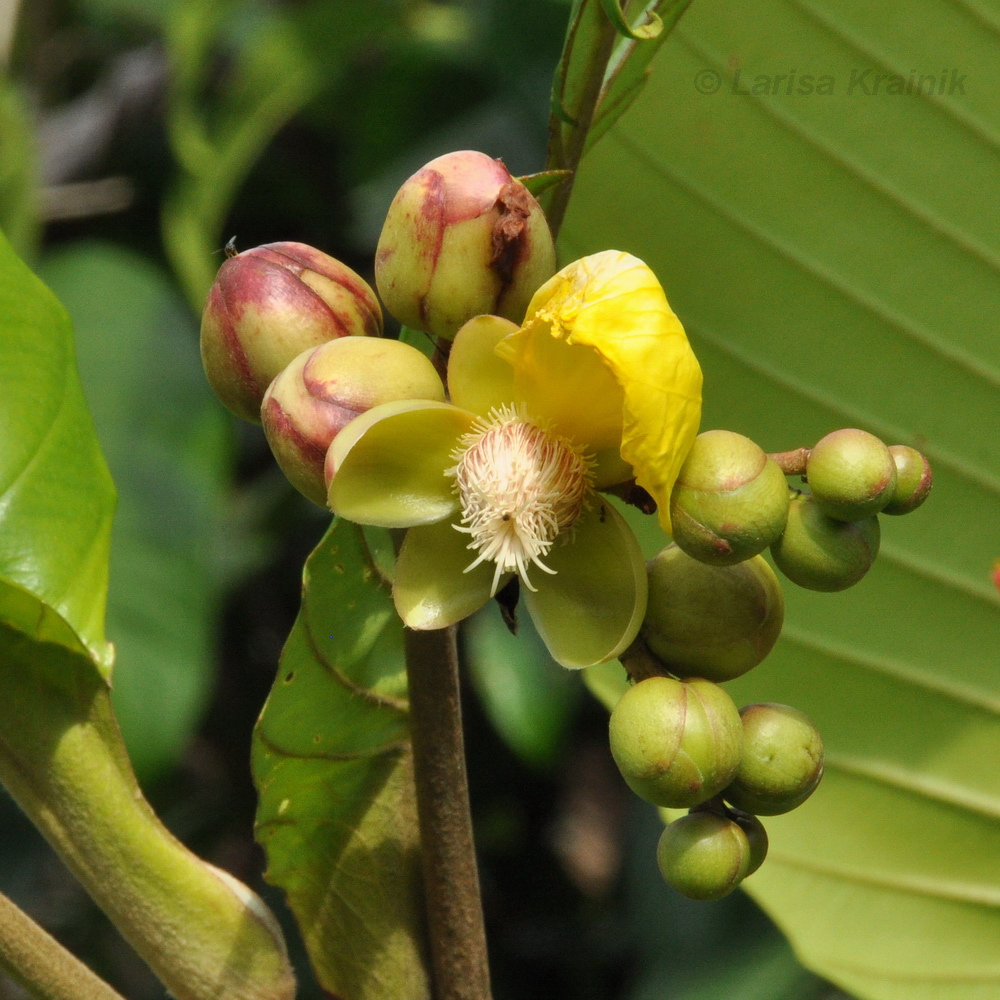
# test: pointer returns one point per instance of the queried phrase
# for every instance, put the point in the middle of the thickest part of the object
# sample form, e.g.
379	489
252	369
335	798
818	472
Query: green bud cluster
292	338
715	611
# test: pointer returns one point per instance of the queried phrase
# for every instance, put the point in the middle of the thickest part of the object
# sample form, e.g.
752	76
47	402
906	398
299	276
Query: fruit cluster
732	501
715	611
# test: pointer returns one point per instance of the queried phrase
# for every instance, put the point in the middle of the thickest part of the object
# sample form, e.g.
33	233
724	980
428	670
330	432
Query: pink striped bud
325	388
267	306
462	238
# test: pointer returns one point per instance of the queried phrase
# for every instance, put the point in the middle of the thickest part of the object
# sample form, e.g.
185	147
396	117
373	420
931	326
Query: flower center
520	486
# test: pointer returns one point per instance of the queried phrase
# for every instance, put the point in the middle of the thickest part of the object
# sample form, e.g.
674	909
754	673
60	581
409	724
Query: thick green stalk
451	880
575	94
41	965
204	934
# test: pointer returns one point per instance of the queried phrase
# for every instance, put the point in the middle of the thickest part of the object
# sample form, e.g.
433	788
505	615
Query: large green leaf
19	217
166	440
529	698
56	497
332	763
835	258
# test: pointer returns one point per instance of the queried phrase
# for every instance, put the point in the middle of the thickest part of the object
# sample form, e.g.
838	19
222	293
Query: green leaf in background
835	258
56	496
166	439
18	181
331	759
270	82
528	697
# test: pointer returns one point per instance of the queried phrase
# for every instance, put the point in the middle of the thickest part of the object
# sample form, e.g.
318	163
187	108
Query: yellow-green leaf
332	763
834	257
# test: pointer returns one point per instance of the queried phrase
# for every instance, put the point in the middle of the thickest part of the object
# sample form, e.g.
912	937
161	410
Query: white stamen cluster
520	487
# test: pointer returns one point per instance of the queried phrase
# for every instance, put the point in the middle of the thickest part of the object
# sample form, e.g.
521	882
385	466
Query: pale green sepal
432	589
591	610
478	379
390	464
544	180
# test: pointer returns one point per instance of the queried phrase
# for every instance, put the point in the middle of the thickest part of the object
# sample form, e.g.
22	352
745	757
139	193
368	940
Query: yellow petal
612	304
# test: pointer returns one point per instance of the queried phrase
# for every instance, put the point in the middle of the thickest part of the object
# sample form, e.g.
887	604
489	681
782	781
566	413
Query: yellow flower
597	387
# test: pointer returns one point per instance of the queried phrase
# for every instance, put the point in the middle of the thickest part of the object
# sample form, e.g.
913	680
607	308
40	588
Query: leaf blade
333	766
855	285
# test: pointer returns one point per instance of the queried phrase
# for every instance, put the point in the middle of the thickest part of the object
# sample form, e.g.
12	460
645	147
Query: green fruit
730	500
851	475
715	622
820	553
756	837
703	856
913	480
676	743
782	760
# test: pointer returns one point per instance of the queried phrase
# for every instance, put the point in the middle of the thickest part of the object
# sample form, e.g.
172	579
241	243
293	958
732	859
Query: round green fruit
782	761
913	480
730	500
676	743
703	855
756	837
851	475
707	621
820	553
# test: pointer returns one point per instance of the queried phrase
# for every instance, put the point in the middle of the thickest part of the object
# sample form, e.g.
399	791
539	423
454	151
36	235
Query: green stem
451	880
576	91
203	933
41	965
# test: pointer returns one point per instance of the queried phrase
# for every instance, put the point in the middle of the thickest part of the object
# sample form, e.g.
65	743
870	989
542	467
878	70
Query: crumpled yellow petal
612	303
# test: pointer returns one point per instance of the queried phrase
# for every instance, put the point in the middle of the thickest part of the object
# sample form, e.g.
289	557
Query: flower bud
851	475
270	304
820	553
711	621
782	761
913	480
676	743
462	238
325	388
730	500
703	855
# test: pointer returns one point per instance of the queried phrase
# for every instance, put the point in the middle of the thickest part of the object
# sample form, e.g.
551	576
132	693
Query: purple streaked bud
270	304
462	238
325	388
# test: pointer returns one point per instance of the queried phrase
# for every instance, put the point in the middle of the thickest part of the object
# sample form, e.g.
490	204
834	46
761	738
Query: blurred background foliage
136	137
